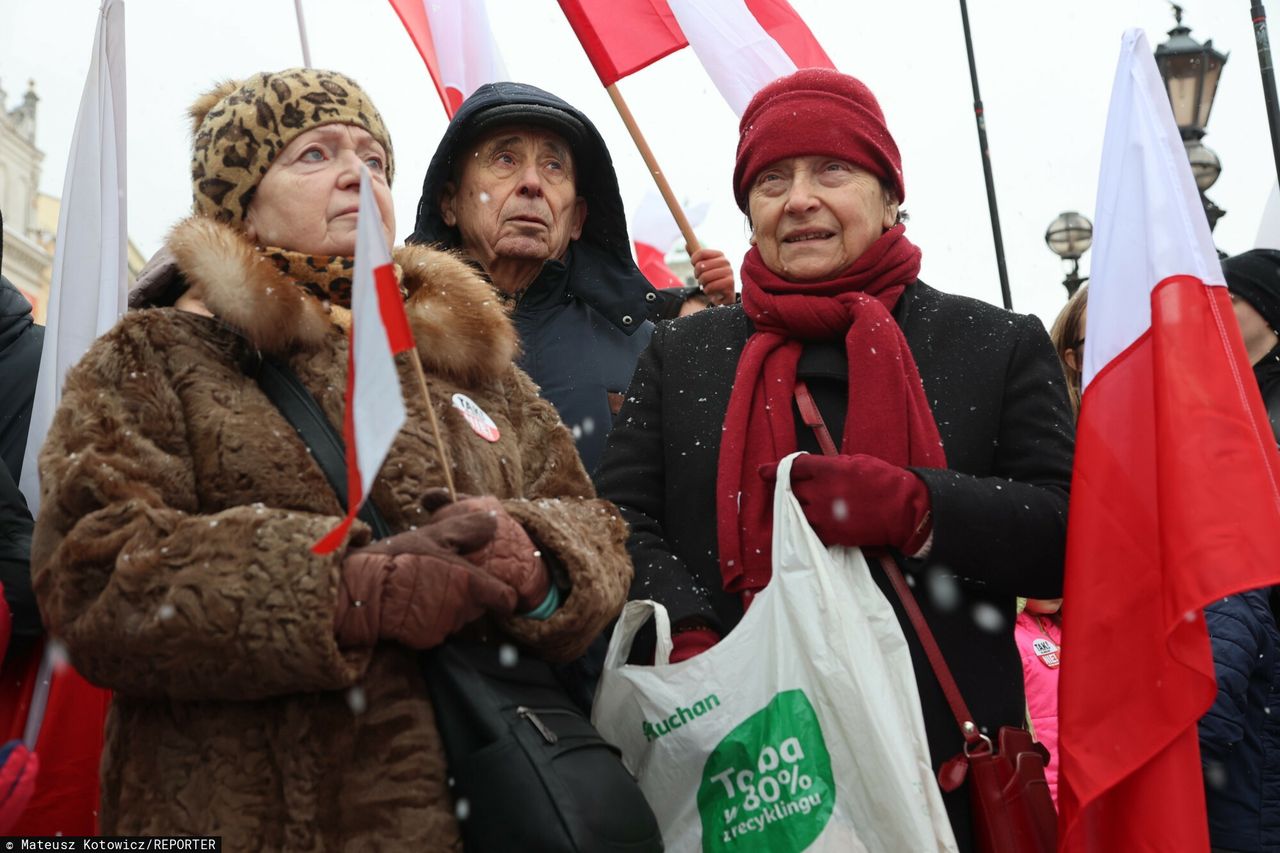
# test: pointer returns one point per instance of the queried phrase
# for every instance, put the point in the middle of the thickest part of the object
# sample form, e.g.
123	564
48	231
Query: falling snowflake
839	509
987	617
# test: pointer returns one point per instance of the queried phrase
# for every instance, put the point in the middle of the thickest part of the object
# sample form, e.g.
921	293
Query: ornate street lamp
1205	168
1069	237
1190	71
1205	165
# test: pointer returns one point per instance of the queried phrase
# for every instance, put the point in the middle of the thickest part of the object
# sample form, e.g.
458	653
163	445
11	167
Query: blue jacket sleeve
1236	638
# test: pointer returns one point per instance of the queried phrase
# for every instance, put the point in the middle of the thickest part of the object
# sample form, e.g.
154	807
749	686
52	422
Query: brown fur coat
172	555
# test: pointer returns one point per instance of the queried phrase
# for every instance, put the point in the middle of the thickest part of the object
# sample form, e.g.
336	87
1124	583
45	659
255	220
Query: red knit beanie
815	111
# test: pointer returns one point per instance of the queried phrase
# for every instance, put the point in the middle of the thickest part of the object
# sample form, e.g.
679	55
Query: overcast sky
1045	71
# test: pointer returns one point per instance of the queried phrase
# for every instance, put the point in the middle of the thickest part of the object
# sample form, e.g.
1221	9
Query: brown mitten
510	554
414	588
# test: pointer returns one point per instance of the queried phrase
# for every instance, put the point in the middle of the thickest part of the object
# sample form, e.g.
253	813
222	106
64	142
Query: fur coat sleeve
561	513
152	596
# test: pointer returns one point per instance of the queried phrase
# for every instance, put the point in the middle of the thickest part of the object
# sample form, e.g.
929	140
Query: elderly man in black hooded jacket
523	184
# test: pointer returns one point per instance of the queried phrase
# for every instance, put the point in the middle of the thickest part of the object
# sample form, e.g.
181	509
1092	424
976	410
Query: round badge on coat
1048	651
477	418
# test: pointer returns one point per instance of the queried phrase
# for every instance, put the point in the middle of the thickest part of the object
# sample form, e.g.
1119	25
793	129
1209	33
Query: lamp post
1069	237
1191	71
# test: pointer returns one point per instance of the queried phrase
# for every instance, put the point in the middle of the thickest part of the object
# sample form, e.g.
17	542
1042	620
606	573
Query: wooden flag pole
660	179
435	426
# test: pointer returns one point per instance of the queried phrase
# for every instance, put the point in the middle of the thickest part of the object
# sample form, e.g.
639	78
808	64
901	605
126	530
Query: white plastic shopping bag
800	730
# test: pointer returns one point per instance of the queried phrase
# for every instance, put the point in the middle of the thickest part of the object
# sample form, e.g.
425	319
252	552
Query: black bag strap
283	387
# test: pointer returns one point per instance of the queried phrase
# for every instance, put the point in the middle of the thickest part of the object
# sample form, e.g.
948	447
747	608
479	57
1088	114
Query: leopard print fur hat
240	127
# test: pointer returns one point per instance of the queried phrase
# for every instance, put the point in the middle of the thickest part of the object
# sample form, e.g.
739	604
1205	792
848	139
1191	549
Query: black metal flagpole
986	161
1268	78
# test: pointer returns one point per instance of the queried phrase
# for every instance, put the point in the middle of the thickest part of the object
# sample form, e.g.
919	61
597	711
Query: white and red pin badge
1048	652
477	418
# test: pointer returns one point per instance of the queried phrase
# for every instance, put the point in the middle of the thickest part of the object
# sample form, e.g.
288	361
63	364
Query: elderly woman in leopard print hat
264	693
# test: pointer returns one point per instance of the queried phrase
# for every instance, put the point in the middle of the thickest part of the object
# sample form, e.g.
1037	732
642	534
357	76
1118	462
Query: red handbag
1012	808
1010	802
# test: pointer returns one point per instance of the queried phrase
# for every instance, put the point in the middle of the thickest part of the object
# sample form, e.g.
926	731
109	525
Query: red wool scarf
888	415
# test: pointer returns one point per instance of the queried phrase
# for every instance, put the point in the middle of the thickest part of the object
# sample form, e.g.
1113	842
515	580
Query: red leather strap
968	728
950	689
813	418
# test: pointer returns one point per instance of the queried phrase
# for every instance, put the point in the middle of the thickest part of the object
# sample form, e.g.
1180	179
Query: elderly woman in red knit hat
950	416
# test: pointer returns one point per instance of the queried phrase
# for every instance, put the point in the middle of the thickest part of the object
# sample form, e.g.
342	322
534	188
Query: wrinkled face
516	198
813	216
309	197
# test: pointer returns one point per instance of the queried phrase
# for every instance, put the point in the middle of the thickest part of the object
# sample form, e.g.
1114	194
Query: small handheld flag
379	329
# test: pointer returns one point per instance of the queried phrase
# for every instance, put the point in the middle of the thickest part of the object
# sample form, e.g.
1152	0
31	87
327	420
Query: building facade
30	216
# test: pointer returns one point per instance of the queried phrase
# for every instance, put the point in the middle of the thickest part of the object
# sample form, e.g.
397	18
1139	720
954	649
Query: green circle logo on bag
767	786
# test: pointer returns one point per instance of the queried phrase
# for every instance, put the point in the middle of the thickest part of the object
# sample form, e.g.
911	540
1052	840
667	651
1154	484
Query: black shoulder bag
529	771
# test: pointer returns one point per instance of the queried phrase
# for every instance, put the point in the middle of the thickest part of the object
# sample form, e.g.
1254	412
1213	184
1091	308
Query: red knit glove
694	641
18	770
860	500
714	274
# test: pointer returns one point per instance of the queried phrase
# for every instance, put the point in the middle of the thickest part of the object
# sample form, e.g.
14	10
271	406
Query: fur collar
460	326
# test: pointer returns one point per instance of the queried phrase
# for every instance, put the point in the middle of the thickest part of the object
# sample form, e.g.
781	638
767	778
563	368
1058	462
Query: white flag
379	329
746	44
652	222
1269	229
469	57
456	43
89	290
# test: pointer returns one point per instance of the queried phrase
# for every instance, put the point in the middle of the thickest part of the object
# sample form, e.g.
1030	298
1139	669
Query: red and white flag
623	36
742	44
654	231
379	329
1174	498
746	44
57	713
456	43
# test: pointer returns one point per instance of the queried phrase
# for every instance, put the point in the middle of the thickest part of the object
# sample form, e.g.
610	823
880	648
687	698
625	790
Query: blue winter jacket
1240	735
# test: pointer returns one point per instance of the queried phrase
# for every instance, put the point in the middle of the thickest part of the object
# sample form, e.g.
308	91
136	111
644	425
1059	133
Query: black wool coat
999	511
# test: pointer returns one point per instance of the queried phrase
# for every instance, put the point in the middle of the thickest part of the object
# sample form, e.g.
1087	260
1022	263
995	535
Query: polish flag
653	232
742	44
1174	498
45	701
456	43
622	36
746	44
379	329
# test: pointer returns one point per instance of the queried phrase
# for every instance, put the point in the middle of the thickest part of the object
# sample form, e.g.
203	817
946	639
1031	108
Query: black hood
15	314
497	104
616	286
